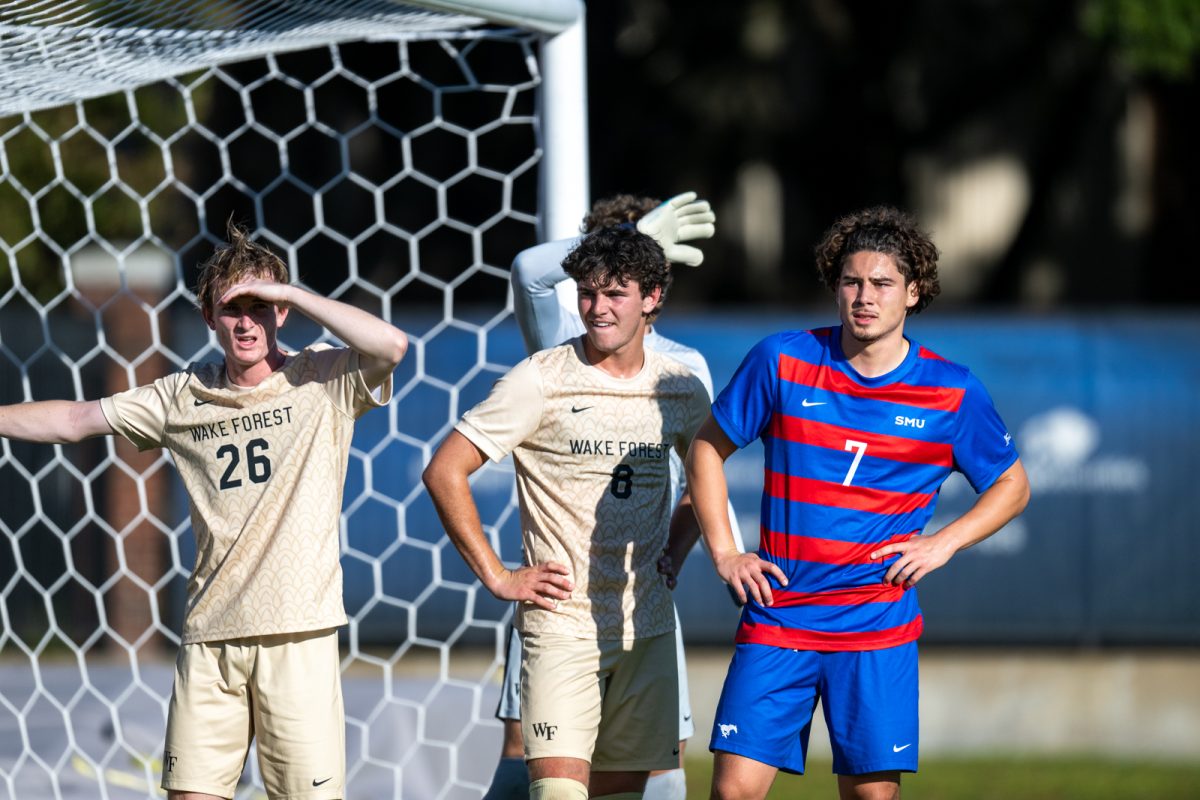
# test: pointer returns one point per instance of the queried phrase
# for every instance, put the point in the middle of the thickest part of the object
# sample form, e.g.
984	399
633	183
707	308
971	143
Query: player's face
873	299
614	315
246	328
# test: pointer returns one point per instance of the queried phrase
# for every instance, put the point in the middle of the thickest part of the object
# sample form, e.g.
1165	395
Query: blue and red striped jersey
851	463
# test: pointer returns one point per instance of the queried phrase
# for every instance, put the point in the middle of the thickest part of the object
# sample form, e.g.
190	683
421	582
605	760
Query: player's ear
914	294
207	313
281	313
650	301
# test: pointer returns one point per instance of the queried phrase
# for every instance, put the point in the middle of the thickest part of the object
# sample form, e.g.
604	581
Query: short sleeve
140	414
983	447
510	413
341	375
697	411
744	407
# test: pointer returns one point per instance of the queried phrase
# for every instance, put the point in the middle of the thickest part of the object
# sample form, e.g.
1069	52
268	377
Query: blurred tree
1158	37
829	105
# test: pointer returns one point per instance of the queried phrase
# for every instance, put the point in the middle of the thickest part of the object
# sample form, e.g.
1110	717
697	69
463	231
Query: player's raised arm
379	344
54	421
446	479
536	272
705	463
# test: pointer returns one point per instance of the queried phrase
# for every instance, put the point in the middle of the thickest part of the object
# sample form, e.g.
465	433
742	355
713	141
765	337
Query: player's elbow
1019	488
397	346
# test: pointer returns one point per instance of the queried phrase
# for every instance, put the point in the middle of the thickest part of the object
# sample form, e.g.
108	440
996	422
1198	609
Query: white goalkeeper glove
683	218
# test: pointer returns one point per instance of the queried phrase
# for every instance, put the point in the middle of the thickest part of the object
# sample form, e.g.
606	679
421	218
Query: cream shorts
509	705
614	703
285	690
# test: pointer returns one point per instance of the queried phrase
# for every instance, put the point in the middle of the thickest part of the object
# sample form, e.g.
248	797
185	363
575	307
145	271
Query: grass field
996	779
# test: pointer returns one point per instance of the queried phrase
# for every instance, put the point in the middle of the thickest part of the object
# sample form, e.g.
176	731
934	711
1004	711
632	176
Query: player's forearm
710	497
995	508
53	421
379	344
684	532
450	491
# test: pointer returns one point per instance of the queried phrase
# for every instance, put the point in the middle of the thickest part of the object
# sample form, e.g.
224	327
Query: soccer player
860	426
548	315
590	425
261	441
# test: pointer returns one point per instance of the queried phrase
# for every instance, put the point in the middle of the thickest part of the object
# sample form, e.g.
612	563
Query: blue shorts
869	698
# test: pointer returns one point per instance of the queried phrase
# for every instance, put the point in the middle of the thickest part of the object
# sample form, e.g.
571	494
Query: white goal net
395	156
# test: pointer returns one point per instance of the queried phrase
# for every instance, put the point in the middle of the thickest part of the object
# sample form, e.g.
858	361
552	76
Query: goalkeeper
544	300
261	441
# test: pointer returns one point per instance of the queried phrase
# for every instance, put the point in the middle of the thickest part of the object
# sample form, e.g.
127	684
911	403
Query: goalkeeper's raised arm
546	312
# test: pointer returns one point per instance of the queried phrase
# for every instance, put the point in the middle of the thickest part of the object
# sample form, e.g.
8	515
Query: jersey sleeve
535	275
140	414
744	407
510	413
697	411
983	447
340	373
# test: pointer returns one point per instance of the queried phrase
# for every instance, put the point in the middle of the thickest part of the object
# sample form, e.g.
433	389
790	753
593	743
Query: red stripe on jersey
879	445
800	639
935	398
858	498
923	353
854	596
822	551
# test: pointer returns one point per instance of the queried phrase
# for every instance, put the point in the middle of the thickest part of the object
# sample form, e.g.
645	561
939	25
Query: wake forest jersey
851	463
592	461
264	469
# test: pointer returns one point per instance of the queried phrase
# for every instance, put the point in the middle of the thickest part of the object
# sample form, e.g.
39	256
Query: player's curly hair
620	254
234	261
881	229
609	211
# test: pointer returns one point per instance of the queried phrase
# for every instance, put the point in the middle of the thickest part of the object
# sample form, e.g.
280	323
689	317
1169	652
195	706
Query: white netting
399	175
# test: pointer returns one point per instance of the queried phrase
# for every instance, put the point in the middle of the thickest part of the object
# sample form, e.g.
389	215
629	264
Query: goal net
397	156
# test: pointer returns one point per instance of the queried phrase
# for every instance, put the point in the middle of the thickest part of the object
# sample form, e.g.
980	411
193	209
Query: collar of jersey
895	376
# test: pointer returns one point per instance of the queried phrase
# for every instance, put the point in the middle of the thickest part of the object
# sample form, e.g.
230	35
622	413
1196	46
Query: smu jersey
851	463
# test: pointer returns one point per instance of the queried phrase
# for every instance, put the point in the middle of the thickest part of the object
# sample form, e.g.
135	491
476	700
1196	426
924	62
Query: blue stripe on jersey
838	619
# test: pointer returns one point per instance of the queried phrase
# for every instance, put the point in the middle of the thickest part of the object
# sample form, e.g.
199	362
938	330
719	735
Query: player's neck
878	357
253	374
623	363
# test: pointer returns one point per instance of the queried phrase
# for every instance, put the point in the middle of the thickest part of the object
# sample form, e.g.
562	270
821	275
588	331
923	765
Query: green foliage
1156	37
999	778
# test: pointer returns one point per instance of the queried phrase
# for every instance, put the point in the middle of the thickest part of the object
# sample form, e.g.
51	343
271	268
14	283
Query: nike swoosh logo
901	747
689	716
203	402
808	404
575	410
318	783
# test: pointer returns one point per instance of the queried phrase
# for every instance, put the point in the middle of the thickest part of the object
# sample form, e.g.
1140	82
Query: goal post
397	155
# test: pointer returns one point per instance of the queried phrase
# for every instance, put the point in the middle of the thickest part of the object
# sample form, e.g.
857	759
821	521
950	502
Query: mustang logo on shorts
726	730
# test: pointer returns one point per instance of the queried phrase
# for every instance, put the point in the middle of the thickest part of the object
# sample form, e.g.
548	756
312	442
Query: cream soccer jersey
591	453
264	469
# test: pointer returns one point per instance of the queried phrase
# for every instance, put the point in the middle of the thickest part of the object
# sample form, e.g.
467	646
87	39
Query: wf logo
545	729
169	761
726	730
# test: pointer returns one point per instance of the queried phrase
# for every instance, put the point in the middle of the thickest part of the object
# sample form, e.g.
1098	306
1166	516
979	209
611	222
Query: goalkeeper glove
680	219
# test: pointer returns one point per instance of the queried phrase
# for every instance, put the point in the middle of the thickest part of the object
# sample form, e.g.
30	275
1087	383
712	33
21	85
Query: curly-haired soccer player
860	425
591	425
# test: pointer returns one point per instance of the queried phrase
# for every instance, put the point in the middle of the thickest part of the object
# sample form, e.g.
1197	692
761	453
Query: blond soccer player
261	441
590	425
